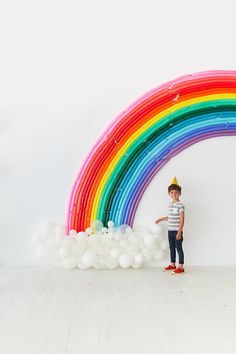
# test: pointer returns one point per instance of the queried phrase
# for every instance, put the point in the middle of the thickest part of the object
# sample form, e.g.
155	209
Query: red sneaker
170	267
178	271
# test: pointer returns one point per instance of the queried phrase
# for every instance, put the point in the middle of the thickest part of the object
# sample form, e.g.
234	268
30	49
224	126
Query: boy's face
174	194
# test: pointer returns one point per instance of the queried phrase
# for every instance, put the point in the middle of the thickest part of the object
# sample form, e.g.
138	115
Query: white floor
54	311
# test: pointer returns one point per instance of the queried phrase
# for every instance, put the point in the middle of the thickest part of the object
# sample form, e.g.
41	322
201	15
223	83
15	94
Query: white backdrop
66	69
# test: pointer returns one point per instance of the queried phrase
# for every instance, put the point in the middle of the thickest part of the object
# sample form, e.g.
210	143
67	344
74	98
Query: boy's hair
174	187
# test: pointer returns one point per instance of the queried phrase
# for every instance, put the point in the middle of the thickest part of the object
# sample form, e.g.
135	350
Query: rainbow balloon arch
143	138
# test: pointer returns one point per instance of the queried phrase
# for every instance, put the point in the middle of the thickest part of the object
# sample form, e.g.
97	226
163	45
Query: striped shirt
174	215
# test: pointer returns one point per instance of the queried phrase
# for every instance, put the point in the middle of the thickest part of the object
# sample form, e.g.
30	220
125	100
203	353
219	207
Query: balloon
68	242
98	265
110	262
149	241
117	236
59	238
59	231
104	230
146	254
69	263
139	259
123	243
159	254
111	233
136	266
48	228
116	252
82	266
124	229
97	225
126	261
82	244
164	245
82	234
110	224
64	252
52	242
73	233
140	229
77	250
89	231
157	229
89	258
133	244
54	255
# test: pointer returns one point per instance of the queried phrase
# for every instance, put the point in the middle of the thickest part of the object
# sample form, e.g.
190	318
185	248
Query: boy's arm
165	218
181	225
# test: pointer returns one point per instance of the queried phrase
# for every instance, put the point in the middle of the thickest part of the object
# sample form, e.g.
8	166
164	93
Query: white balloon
111	233
134	239
123	243
140	229
82	237
92	240
52	243
110	224
104	230
59	230
123	229
68	242
89	231
101	248
110	262
164	245
126	261
116	252
54	255
146	254
77	250
158	237
73	233
64	252
97	225
136	266
149	241
139	259
133	244
98	265
48	228
157	229
159	254
82	234
59	238
82	266
69	263
89	258
117	236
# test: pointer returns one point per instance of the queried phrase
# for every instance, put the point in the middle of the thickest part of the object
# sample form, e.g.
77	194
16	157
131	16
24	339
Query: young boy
175	220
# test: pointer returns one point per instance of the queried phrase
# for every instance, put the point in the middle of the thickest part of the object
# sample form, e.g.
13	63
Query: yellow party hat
174	181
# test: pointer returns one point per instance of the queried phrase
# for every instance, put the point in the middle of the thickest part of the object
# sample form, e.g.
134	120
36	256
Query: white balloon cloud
100	247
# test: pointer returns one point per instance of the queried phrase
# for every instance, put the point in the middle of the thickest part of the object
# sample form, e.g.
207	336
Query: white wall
66	69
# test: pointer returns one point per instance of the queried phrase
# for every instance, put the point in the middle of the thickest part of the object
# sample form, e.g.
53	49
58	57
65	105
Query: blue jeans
175	244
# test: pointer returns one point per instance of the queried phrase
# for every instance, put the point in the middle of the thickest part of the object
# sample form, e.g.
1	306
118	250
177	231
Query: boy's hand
165	218
158	220
178	236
